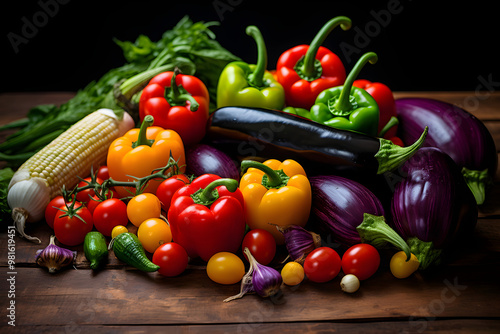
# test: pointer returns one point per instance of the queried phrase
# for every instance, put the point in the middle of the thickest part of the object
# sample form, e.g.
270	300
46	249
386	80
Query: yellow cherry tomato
118	229
225	268
401	268
292	273
142	207
153	233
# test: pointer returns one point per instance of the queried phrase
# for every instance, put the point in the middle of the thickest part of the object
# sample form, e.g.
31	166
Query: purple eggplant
338	206
202	159
347	212
456	132
432	206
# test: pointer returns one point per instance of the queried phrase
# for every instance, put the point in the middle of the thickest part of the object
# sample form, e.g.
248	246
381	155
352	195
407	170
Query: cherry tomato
292	273
322	265
94	201
172	259
118	229
361	260
142	207
84	195
71	231
261	244
51	210
153	233
108	214
401	268
168	187
103	173
225	268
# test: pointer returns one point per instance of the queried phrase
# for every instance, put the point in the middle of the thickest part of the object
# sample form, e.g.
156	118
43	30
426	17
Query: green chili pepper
348	107
245	85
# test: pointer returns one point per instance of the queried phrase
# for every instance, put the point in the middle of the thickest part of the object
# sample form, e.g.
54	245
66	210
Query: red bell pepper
207	216
304	71
386	104
178	102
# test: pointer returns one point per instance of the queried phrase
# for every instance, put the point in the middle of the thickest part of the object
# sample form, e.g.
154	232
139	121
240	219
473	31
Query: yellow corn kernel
74	152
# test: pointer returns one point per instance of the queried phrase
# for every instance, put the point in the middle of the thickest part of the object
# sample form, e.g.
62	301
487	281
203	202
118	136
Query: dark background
426	45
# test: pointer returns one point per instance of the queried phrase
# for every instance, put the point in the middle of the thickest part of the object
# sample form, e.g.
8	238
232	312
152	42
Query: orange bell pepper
275	193
140	151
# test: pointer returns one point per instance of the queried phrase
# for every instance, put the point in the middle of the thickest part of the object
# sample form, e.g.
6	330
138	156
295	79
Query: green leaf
5	177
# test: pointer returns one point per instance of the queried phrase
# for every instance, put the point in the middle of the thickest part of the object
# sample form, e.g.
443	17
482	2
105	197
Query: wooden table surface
461	296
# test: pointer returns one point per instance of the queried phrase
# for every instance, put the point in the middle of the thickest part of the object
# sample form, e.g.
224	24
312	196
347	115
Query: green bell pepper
348	107
298	111
245	85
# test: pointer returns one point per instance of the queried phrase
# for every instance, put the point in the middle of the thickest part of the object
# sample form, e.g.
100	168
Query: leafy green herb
190	46
5	176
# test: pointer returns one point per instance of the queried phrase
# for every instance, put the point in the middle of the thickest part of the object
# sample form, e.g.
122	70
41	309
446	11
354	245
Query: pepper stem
255	79
273	179
393	121
209	194
309	68
176	95
344	100
142	138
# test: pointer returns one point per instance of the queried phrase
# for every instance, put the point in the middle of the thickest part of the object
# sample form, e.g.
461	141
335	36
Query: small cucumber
95	248
128	249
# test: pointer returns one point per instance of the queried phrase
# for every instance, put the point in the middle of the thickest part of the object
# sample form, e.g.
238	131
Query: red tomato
108	214
172	259
168	187
51	210
71	231
322	265
361	260
94	202
84	195
261	244
103	173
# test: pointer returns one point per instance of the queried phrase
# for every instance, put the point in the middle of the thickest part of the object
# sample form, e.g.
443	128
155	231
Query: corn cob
73	153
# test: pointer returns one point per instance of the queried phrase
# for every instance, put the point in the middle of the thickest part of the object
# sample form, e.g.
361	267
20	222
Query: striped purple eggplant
432	206
456	132
339	205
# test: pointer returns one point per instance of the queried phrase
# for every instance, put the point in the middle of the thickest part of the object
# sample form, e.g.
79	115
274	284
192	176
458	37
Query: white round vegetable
349	283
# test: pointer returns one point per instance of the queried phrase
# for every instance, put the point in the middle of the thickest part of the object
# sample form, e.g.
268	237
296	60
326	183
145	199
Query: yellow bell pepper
140	151
275	193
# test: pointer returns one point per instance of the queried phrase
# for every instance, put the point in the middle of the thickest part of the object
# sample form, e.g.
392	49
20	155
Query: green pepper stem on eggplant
270	133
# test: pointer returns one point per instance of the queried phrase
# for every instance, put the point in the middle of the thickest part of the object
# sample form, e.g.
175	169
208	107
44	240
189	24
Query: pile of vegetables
216	160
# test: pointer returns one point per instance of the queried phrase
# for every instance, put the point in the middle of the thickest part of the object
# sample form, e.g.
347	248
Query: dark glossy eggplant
339	205
432	207
202	159
456	132
251	132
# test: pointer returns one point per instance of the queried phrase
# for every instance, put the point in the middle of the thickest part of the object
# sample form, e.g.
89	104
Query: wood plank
483	105
131	297
16	105
437	326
